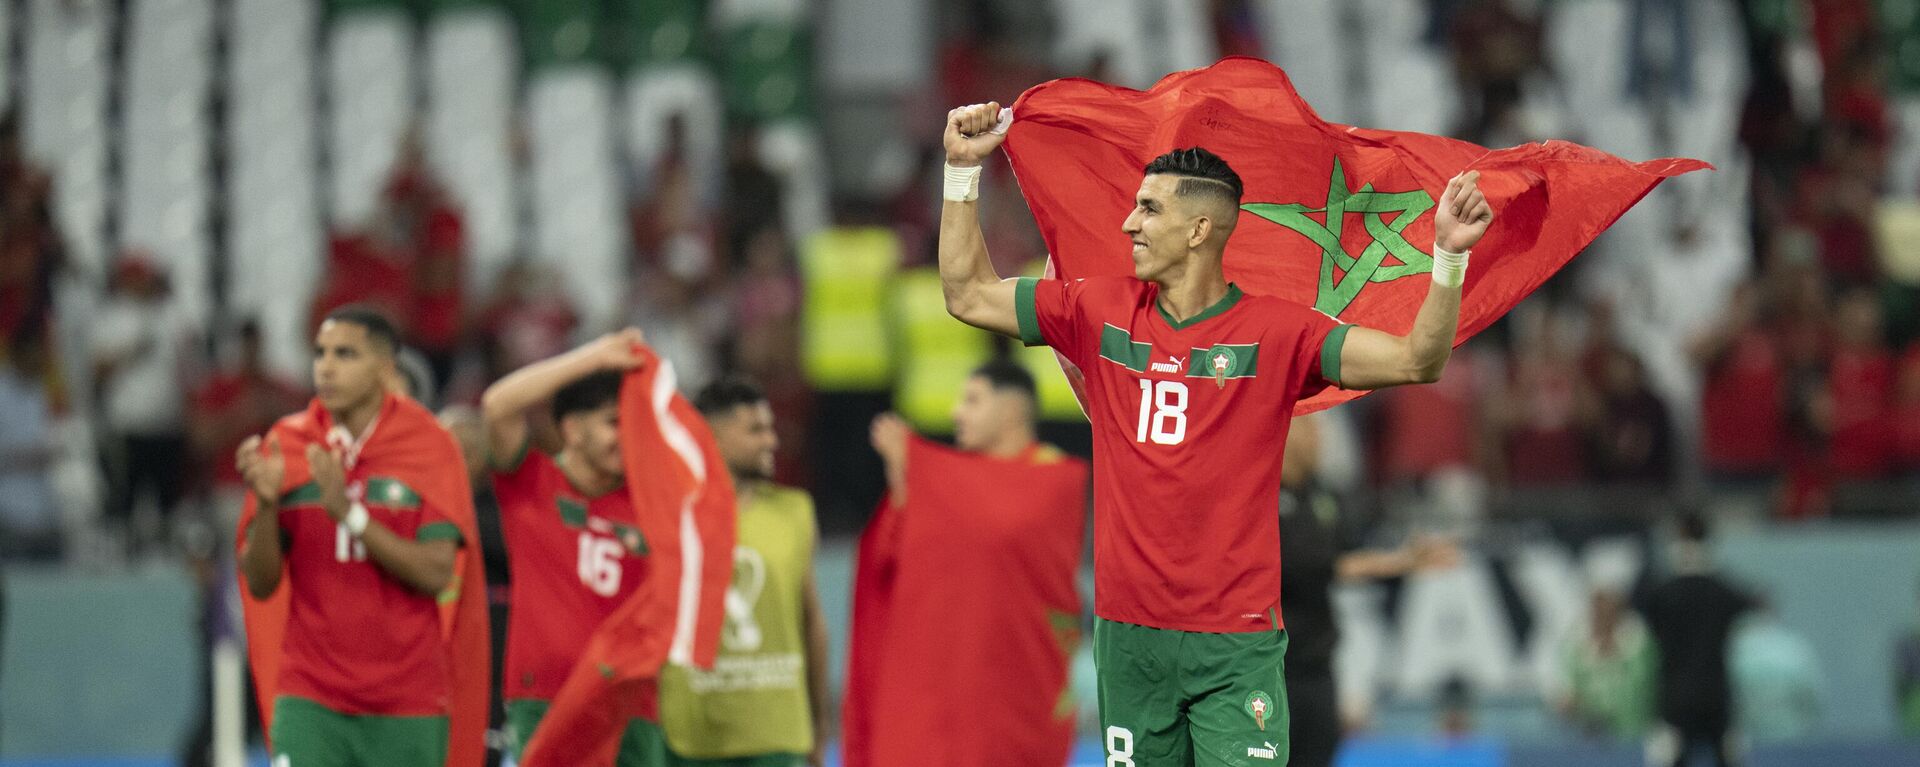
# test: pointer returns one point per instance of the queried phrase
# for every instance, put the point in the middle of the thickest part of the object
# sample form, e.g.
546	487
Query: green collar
1218	308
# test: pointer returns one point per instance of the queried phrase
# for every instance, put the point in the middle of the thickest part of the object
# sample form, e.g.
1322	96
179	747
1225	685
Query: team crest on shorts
1259	706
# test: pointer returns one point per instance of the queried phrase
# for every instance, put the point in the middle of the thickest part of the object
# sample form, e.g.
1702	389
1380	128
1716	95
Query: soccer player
763	704
1190	386
365	546
987	538
572	541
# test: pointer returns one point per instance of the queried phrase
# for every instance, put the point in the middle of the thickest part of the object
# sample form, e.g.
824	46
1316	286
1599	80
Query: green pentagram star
1371	265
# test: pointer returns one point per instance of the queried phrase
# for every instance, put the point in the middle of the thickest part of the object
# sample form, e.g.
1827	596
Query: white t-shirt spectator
144	395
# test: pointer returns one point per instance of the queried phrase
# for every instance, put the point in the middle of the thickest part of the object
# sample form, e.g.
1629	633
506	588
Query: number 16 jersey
1189	419
575	559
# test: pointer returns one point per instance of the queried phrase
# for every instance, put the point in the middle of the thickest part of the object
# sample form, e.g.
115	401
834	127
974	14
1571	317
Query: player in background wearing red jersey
365	548
572	541
1190	386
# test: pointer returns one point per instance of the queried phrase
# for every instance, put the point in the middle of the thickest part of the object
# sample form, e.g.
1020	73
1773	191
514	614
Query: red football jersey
1189	419
575	559
359	641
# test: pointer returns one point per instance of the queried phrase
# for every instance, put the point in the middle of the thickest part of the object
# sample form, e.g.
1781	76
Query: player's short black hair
1201	173
726	393
378	327
589	393
1007	375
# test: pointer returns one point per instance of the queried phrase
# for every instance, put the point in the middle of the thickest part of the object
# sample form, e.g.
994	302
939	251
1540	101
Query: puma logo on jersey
1269	752
1172	365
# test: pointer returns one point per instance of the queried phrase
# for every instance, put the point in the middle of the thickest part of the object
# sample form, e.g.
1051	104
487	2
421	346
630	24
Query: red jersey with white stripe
1189	419
575	559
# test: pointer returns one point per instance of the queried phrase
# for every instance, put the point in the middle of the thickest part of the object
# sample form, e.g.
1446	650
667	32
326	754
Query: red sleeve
1052	313
518	480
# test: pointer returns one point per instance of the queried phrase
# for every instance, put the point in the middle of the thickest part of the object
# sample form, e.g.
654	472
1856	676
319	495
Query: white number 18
1167	403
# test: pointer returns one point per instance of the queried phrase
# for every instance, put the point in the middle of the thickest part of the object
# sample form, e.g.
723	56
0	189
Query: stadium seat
370	104
472	72
578	220
273	233
164	183
65	121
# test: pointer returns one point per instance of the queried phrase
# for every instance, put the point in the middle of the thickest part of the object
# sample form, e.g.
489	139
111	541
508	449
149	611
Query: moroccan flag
408	445
683	497
1334	217
966	613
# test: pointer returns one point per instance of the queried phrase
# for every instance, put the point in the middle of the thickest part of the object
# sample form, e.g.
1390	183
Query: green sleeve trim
391	493
1330	353
303	495
1024	309
437	531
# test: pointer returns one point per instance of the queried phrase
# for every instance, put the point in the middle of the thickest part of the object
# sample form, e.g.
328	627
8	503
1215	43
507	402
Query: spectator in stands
1673	75
1906	412
766	309
241	399
528	318
1608	664
1539	425
29	518
1496	47
1632	433
1777	678
1859	390
1426	430
1836	197
1743	429
428	223
681	323
31	249
674	233
140	361
1692	616
1906	682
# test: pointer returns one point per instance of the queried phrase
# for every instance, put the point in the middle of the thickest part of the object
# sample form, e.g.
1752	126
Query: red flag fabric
683	498
1334	217
409	445
966	614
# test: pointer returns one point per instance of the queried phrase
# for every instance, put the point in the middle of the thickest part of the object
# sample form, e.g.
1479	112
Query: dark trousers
148	462
1315	713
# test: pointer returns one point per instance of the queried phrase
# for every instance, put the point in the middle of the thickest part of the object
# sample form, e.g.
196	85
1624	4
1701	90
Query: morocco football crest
1259	706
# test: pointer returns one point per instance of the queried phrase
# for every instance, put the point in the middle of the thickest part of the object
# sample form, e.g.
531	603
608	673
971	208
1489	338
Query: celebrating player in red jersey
366	537
570	527
1190	386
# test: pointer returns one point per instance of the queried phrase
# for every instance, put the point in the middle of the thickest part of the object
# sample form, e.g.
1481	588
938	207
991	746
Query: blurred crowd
1807	385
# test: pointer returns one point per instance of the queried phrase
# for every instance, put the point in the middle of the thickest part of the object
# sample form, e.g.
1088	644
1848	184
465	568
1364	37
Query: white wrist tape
1449	268
963	184
357	519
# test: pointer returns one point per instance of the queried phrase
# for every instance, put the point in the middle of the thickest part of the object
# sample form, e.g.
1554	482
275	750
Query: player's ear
1200	231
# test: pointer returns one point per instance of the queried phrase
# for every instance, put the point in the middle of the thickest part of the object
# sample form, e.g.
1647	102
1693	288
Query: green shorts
1177	698
641	746
307	734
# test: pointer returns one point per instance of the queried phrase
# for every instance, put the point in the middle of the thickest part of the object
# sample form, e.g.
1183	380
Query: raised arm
1372	359
889	434
504	406
975	293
